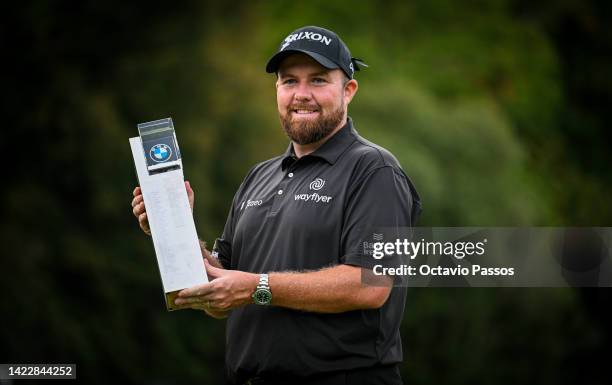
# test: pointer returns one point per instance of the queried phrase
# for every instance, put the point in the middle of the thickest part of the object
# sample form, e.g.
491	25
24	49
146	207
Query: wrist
262	295
254	281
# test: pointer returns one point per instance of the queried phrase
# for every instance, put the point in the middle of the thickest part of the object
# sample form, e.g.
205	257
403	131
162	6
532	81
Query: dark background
498	110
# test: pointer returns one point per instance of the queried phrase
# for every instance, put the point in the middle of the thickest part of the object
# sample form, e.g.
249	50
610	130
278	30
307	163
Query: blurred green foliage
496	109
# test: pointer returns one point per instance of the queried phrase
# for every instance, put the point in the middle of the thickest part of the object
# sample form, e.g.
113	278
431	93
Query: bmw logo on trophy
160	152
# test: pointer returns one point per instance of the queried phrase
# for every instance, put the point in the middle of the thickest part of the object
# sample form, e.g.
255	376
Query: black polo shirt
304	214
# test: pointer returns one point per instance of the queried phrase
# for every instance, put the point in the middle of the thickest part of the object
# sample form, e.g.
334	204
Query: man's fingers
190	195
144	223
196	291
142	218
136	200
202	300
201	305
139	209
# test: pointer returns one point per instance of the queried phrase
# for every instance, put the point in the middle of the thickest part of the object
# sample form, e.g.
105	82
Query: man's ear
350	89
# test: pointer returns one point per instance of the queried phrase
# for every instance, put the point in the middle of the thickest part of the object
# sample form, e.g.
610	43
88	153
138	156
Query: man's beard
311	131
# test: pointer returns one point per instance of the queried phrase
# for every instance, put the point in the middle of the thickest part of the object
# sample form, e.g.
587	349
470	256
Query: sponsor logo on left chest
312	195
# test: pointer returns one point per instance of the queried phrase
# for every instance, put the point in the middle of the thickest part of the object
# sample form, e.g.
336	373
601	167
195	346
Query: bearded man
287	270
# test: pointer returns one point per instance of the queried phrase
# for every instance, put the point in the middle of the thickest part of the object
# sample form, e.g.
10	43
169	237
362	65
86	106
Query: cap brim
276	60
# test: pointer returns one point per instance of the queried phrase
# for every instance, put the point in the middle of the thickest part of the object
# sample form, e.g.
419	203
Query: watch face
262	297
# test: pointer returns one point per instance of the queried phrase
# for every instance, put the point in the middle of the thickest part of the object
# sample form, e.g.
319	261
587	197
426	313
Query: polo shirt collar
331	150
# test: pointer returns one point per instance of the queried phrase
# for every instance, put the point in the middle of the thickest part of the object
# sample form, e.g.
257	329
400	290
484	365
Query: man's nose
303	92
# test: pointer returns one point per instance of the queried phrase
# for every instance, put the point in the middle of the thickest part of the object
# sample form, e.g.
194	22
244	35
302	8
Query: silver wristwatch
262	294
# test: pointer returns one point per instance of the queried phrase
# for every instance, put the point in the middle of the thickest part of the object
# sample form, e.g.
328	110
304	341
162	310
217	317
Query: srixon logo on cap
306	35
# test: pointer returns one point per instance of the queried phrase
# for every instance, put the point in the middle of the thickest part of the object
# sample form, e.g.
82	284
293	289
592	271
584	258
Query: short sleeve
380	207
223	244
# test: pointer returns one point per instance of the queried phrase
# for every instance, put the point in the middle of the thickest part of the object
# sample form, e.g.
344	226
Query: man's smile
304	111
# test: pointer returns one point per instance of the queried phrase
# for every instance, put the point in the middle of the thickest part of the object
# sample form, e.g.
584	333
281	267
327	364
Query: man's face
312	100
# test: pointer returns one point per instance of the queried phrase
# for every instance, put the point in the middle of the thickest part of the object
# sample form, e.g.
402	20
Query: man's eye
319	80
289	81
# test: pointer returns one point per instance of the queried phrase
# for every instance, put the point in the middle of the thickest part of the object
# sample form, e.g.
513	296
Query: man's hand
228	289
138	207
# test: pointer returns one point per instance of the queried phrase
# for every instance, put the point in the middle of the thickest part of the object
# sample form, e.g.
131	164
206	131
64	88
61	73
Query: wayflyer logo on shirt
315	185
